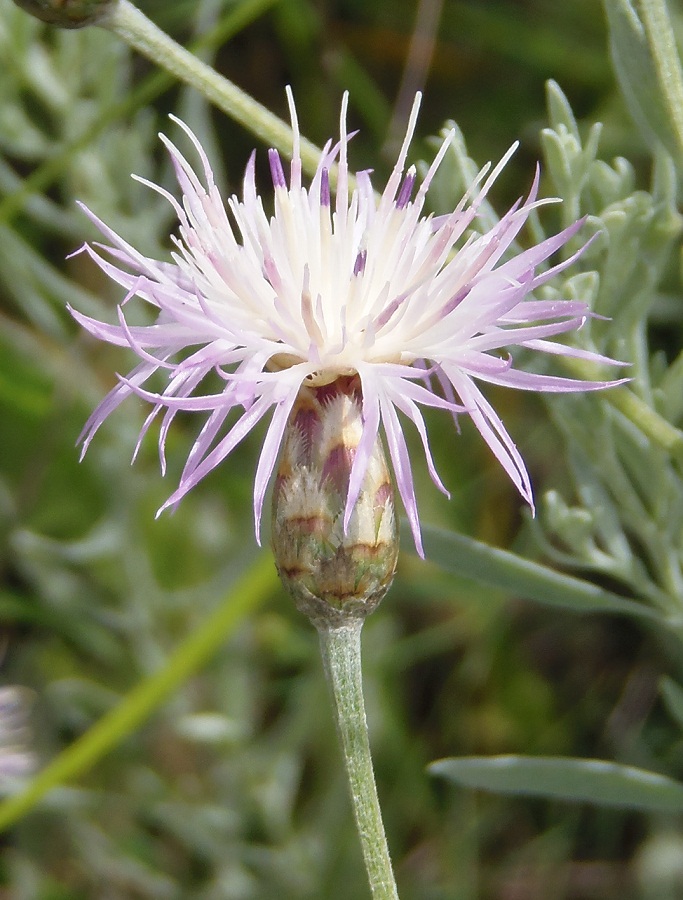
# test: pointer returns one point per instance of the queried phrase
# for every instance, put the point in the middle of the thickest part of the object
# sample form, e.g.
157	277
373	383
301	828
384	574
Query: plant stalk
126	21
340	647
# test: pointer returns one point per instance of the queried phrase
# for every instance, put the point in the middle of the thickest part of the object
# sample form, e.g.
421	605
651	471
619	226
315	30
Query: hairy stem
340	648
139	32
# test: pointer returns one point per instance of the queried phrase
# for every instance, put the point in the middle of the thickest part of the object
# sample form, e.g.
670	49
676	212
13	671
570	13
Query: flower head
327	287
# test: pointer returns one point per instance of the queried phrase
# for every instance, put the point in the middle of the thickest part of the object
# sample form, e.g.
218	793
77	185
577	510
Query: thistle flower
352	286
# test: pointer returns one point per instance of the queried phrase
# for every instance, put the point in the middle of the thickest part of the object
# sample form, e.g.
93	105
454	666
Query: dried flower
357	286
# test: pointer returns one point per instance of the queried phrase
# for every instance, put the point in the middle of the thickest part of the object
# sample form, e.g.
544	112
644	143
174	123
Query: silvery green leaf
568	159
469	558
560	112
565	778
636	73
672	694
669	391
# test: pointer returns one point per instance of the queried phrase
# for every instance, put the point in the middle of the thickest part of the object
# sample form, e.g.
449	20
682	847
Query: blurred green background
233	789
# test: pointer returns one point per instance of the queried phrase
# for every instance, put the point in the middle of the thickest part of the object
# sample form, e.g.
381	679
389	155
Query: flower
324	288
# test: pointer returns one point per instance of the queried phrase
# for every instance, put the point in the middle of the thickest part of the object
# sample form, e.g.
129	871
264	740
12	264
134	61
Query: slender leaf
637	75
565	778
672	695
469	558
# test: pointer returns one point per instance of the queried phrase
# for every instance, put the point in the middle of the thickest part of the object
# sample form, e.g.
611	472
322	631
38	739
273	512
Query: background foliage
233	788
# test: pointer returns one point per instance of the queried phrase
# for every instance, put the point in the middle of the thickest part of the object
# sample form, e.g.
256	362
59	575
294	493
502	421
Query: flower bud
333	574
67	13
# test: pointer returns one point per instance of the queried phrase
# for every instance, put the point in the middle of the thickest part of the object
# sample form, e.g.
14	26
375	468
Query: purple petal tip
276	170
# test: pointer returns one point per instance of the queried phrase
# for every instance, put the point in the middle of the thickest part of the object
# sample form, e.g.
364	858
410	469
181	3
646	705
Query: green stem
139	32
656	427
249	591
660	37
650	422
340	648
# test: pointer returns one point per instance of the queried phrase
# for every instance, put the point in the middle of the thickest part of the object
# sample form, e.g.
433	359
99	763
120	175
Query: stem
650	422
662	43
249	592
340	648
139	32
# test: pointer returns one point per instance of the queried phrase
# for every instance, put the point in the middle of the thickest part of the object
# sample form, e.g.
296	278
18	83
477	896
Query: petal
531	381
401	463
494	432
113	399
371	420
399	396
236	434
269	455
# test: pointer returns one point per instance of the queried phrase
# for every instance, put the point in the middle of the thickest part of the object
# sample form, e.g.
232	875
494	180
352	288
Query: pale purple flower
329	285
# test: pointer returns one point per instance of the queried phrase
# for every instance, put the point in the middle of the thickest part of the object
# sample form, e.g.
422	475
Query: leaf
469	558
637	76
672	695
566	778
560	112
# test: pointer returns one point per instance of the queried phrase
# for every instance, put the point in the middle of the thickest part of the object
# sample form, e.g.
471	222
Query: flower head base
67	13
354	286
334	571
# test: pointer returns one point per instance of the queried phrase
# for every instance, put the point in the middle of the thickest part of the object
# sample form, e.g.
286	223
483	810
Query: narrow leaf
565	778
469	558
637	75
672	694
